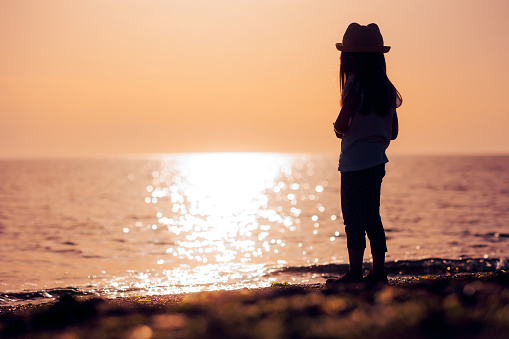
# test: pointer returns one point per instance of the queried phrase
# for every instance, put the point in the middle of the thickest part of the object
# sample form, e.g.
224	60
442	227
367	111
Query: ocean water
191	222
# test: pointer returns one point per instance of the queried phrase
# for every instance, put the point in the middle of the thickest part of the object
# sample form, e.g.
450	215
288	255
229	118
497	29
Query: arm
348	109
395	126
338	135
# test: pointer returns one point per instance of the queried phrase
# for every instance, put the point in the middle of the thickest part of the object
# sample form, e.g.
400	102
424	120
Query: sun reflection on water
182	223
229	220
211	206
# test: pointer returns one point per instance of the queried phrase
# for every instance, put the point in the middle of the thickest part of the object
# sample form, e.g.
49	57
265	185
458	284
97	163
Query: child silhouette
366	124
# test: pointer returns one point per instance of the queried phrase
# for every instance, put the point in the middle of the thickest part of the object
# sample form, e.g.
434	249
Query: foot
348	277
376	278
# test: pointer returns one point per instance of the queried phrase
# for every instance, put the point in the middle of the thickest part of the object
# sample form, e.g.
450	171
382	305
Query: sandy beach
467	305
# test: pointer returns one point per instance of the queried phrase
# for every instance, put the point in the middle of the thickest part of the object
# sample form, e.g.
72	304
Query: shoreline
467	305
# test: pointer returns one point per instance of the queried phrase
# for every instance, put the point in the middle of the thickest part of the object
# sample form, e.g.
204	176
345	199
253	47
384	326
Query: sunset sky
104	77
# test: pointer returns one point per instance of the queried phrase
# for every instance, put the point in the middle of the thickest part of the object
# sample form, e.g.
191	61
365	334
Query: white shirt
364	143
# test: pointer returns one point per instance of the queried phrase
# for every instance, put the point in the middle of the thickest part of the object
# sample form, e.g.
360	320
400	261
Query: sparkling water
190	222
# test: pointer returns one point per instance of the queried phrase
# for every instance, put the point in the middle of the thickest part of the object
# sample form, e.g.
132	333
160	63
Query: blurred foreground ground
456	306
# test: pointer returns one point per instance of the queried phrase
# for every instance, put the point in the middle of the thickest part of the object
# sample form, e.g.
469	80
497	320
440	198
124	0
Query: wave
397	268
22	297
430	266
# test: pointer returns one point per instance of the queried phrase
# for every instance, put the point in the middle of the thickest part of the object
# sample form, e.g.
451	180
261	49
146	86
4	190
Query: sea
179	223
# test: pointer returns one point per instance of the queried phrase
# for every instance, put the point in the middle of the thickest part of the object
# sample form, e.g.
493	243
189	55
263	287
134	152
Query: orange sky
100	77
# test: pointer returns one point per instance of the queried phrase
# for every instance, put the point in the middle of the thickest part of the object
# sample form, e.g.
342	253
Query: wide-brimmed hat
360	38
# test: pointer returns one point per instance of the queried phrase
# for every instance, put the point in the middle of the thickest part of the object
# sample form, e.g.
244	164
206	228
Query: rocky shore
466	305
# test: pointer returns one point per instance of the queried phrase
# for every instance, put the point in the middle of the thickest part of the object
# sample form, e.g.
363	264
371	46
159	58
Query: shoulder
350	86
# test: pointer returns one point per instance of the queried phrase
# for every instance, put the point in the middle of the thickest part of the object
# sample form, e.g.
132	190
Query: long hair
369	69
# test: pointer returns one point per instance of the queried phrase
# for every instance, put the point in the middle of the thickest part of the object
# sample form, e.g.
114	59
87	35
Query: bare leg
355	256
378	263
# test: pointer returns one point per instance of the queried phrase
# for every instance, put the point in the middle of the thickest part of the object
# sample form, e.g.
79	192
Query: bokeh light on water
188	222
230	218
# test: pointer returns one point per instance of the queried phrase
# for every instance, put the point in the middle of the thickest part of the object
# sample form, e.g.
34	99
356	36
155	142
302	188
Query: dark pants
360	203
